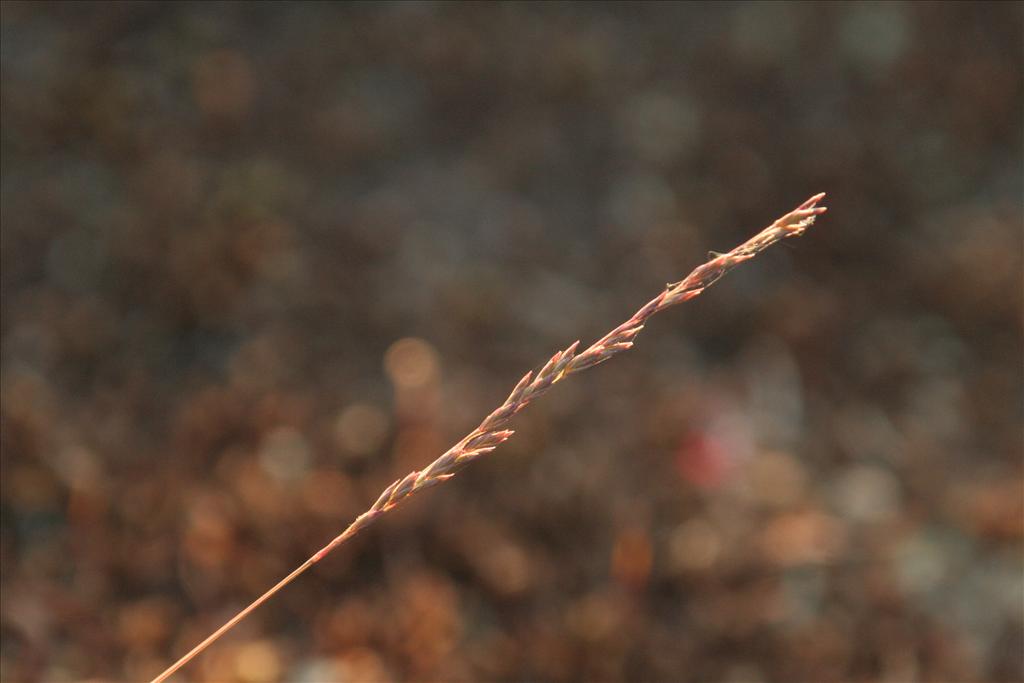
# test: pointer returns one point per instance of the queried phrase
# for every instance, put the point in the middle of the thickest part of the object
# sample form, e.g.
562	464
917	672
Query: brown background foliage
260	259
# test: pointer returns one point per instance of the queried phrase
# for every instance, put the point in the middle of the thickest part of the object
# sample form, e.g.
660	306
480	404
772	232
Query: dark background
259	260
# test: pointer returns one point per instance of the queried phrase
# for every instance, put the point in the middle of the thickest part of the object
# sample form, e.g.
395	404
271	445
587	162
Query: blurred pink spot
702	459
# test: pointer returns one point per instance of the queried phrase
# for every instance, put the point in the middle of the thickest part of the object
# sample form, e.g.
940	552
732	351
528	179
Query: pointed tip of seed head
803	216
812	201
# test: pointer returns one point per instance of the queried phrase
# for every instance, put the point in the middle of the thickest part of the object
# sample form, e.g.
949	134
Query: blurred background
259	260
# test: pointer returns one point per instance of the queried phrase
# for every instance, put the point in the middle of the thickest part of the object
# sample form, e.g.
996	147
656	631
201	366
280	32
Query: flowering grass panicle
492	431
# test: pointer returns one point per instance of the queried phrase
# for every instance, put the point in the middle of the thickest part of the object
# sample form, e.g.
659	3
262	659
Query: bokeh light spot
411	363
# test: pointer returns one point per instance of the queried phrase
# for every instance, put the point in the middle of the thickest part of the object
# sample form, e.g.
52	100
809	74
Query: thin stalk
491	432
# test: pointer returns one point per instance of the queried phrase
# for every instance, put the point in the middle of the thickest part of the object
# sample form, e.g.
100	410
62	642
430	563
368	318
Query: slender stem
313	559
491	433
234	620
